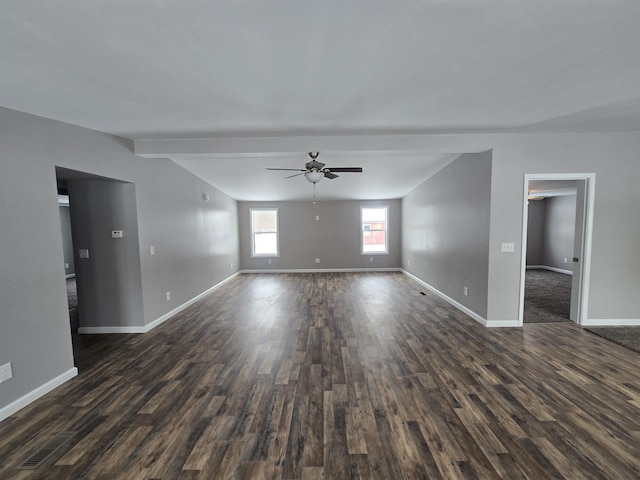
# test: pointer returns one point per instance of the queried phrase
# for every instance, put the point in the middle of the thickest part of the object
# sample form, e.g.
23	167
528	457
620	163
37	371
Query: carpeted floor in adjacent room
547	296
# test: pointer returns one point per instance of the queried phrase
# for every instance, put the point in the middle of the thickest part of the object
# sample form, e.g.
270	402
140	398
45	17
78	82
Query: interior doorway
556	247
106	256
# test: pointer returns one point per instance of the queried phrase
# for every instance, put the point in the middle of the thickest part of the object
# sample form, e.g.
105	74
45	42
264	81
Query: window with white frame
264	232
374	224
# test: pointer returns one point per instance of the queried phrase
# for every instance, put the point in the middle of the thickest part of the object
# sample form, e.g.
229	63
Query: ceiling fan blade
330	175
314	164
296	174
288	169
346	169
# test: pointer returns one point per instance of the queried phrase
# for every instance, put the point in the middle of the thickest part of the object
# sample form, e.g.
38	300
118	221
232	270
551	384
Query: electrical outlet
465	291
66	265
371	259
508	247
5	372
317	260
152	250
566	259
168	295
269	261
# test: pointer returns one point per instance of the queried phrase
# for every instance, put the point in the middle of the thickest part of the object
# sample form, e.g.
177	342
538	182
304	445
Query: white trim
551	269
459	306
503	324
590	188
159	320
322	270
611	322
35	394
111	329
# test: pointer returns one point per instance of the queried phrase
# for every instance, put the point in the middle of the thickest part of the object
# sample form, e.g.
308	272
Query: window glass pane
374	229
264	231
265	243
265	221
374	215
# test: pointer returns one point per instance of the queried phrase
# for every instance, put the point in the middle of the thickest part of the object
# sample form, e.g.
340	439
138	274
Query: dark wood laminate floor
337	376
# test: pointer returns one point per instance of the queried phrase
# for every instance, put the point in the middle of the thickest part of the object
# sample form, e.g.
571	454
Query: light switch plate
5	372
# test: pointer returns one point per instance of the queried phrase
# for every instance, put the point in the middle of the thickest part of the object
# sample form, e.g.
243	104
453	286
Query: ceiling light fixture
314	176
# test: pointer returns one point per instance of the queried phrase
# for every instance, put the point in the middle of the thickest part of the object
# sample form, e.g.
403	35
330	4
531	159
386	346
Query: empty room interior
303	240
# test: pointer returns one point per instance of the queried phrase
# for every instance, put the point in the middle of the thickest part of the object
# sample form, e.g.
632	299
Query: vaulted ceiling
291	71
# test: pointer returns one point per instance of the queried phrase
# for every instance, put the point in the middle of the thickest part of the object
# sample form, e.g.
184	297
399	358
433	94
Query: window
264	232
374	229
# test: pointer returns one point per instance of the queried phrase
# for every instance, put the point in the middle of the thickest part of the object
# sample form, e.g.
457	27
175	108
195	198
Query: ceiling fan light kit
314	176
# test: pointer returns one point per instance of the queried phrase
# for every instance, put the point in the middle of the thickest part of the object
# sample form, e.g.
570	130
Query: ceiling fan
314	170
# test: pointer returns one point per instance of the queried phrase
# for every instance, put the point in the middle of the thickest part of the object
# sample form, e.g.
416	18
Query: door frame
584	263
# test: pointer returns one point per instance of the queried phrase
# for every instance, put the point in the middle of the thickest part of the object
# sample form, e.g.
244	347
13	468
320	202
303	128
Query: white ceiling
149	69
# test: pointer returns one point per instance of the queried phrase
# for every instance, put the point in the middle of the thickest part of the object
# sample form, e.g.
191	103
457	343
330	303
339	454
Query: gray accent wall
445	230
334	238
196	242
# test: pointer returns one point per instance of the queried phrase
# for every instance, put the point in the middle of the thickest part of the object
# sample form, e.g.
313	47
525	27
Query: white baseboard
552	269
459	306
34	395
322	270
114	329
503	323
611	322
157	321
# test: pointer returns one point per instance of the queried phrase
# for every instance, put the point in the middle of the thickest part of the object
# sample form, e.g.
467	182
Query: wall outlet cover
508	247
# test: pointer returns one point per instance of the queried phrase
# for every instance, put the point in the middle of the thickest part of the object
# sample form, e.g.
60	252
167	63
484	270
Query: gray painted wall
334	238
445	230
109	281
196	241
67	242
614	280
560	215
551	231
535	232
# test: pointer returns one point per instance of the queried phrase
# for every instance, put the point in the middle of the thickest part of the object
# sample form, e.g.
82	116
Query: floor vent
39	457
422	293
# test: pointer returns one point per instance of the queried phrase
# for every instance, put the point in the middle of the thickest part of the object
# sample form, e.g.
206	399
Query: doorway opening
556	247
106	257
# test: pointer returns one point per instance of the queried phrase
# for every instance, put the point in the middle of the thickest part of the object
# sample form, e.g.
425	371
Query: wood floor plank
336	375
